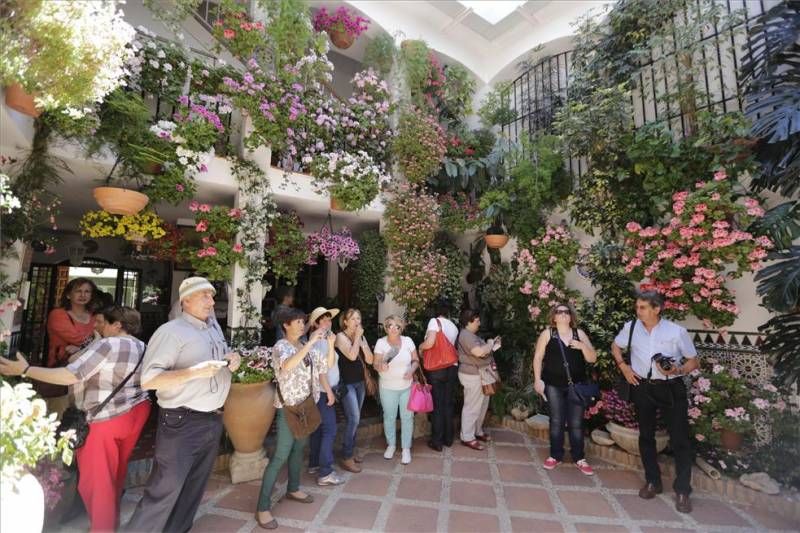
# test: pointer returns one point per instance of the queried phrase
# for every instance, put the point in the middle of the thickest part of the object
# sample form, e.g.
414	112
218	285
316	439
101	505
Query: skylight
492	11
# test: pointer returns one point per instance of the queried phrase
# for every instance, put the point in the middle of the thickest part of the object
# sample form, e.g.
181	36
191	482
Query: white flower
160	54
154	63
167	67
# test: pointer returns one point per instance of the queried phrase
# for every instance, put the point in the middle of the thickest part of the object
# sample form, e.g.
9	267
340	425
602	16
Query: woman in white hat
320	458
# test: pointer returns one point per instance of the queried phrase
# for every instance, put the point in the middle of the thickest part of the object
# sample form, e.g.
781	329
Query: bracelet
24	372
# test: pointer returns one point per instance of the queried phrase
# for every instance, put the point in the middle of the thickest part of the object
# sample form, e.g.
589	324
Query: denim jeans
288	448
393	401
321	441
565	409
351	403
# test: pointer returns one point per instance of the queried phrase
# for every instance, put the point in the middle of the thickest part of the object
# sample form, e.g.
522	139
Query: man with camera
661	353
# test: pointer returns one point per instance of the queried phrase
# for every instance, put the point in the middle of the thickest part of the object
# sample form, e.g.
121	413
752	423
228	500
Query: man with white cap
188	364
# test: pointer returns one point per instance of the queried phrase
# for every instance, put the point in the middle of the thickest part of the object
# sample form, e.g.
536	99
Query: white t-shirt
393	379
450	330
333	372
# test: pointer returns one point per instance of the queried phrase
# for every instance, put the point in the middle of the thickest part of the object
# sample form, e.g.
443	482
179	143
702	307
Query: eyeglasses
393	326
562	311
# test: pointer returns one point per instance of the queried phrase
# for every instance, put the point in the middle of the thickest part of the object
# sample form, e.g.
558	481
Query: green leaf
781	224
779	283
781	334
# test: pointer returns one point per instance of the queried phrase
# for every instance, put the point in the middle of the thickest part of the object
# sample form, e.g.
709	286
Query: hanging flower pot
336	204
119	201
731	440
496	240
18	100
341	39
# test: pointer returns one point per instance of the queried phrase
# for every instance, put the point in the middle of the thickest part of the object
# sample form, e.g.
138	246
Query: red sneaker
550	463
584	467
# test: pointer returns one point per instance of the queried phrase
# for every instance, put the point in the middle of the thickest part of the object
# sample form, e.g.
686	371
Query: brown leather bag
303	419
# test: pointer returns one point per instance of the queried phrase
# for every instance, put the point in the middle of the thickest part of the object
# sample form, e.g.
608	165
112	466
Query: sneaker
550	463
389	453
584	467
331	479
313	470
406	456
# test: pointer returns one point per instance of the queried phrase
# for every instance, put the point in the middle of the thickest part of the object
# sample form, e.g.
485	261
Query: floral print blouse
294	383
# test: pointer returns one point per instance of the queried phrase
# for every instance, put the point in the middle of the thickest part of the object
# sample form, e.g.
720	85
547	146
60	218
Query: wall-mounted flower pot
341	39
496	241
731	440
18	100
336	204
119	201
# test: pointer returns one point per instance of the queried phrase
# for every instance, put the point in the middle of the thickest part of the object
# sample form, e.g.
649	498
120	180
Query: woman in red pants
114	428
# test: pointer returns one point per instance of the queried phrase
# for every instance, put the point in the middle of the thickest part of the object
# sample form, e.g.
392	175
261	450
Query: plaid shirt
100	369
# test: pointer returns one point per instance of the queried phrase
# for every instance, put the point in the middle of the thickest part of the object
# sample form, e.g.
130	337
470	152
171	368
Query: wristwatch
25	372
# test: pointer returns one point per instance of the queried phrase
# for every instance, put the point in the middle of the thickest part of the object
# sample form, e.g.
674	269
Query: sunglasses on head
562	311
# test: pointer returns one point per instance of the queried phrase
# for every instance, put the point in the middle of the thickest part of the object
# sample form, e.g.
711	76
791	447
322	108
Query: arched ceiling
457	30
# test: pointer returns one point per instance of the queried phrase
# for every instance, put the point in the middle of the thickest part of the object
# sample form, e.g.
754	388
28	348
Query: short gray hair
655	299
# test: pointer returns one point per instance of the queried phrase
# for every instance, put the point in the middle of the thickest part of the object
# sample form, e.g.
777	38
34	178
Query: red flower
229	34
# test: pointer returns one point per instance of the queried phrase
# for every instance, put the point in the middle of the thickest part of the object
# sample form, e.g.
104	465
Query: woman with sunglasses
563	340
396	360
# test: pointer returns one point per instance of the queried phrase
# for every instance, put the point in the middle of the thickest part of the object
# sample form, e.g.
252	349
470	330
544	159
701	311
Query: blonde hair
394	319
347	315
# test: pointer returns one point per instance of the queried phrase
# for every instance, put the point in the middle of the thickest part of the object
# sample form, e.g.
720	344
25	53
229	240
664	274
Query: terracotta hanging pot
249	411
336	204
118	201
496	241
731	440
341	39
18	100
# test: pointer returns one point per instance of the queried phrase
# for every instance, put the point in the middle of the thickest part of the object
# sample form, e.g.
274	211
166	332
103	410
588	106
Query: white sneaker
331	479
406	456
389	453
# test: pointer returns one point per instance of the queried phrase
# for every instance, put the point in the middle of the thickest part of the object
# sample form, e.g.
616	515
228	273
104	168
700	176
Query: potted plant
156	68
416	277
623	425
343	27
286	249
218	250
420	146
27	434
495	204
237	33
336	247
411	218
459	213
364	121
249	412
352	179
138	228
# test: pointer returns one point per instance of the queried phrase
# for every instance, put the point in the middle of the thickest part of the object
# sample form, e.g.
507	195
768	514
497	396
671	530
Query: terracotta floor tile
508	437
472	494
529	525
353	513
600	528
464	522
459	450
370	484
715	513
425	465
405	518
769	519
215	486
568	475
429	490
471	470
581	503
619	479
241	498
519	474
664	530
542	454
655	509
532	500
214	523
375	461
513	453
299	511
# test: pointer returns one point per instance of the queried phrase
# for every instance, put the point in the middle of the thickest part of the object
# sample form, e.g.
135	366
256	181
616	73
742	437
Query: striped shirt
102	367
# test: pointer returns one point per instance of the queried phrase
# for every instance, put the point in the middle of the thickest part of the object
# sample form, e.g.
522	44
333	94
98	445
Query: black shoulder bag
588	392
77	420
622	386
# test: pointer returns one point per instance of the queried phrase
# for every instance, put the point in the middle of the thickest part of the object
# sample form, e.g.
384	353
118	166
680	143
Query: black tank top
553	364
350	371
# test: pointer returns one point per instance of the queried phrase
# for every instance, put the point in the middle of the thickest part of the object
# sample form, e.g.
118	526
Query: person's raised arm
349	349
18	366
295	359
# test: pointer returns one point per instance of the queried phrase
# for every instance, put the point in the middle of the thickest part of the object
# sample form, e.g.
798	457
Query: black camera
666	362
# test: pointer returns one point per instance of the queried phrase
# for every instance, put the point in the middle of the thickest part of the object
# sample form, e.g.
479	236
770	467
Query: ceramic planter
119	201
18	100
731	440
336	204
341	39
21	503
249	412
628	439
496	241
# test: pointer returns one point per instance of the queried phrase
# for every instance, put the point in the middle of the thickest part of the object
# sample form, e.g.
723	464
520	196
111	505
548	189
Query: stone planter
119	201
628	439
496	241
18	100
249	412
21	503
341	39
731	440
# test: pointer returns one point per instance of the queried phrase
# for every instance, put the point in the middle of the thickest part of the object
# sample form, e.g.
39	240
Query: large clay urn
248	415
18	100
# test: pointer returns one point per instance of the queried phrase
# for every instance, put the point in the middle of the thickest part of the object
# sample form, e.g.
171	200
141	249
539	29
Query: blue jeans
321	441
391	402
351	403
565	409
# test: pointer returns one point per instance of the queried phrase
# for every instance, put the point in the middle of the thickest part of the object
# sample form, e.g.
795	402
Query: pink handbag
420	400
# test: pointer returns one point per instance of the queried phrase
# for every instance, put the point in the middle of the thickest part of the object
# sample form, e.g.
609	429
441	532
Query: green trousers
288	449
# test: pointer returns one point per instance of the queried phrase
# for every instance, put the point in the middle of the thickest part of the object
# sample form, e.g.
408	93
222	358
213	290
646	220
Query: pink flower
211	251
235	213
720	175
694	412
205	208
700	184
703	385
717	369
201	226
761	403
237	247
194	206
229	34
700	437
633	227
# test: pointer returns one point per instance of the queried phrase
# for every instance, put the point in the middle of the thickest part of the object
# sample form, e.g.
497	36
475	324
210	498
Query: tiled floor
502	488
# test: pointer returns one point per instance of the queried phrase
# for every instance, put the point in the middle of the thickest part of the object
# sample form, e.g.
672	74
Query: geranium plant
353	179
416	277
66	54
411	217
255	366
459	213
703	245
136	228
341	21
337	247
218	251
237	33
720	399
419	146
286	249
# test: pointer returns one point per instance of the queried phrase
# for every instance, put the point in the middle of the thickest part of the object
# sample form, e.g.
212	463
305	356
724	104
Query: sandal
308	499
474	444
484	438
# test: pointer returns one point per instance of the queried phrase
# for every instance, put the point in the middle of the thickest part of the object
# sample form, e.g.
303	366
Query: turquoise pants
392	401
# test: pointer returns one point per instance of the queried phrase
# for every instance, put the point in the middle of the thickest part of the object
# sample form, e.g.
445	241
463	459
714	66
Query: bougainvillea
416	278
412	219
541	268
703	245
420	146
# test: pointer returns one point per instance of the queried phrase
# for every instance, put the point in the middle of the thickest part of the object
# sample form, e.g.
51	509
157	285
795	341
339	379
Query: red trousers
103	464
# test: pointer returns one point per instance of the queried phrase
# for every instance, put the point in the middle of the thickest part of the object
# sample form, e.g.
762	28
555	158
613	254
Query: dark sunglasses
562	311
